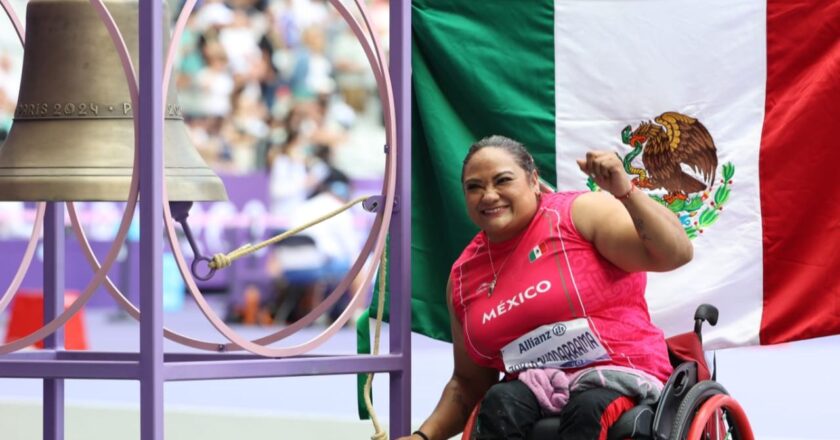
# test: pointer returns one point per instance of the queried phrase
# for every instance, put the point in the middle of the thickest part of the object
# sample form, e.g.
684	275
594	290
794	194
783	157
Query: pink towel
549	385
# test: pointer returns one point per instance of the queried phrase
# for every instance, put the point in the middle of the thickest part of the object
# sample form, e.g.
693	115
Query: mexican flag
646	79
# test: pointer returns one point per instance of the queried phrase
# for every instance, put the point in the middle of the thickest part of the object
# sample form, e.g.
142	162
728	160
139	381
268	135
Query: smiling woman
566	269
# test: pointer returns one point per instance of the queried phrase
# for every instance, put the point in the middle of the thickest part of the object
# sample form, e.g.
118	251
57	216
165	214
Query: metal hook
194	268
180	211
372	203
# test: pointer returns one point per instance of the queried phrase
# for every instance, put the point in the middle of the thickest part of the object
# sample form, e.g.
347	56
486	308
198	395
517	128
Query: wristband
421	434
626	195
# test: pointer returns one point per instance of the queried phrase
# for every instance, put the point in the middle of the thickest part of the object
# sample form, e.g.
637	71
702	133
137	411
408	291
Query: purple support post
400	270
53	412
151	219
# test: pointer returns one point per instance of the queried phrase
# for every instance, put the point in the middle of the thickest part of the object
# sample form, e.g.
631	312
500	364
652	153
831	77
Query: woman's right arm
465	388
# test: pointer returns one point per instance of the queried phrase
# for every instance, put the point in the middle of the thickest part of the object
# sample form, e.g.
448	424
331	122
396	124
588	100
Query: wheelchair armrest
682	379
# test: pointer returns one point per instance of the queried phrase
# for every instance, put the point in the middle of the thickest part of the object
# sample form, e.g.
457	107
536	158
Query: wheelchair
693	406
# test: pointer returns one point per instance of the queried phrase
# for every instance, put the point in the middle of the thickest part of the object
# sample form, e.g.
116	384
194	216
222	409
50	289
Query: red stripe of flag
800	153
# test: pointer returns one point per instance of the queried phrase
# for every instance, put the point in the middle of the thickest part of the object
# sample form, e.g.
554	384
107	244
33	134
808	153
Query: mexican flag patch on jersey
537	252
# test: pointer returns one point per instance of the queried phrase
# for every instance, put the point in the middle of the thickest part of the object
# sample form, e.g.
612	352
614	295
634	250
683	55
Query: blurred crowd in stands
275	84
280	87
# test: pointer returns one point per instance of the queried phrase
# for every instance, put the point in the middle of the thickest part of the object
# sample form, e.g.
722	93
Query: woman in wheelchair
550	292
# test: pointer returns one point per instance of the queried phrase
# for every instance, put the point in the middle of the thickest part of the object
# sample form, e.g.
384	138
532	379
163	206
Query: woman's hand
465	388
607	170
641	235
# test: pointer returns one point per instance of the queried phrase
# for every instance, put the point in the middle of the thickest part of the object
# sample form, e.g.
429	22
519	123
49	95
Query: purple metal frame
53	409
151	366
400	268
151	219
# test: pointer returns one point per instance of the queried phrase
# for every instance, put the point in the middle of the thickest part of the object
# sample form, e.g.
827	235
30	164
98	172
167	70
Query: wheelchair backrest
687	347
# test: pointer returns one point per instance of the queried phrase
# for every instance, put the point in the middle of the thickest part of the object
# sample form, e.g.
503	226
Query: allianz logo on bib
556	329
520	298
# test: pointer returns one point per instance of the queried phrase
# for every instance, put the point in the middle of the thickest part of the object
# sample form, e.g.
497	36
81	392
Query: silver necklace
492	286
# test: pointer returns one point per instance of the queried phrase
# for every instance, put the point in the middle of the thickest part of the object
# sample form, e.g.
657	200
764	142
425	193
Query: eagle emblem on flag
679	166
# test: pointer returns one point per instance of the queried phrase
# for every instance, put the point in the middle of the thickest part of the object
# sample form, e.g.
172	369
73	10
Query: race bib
569	344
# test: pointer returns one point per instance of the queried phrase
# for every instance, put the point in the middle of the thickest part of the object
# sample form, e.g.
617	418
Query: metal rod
151	220
70	369
121	356
29	356
53	389
400	270
167	357
331	365
188	366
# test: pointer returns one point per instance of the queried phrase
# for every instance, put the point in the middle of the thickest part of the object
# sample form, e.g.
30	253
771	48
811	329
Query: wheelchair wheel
707	412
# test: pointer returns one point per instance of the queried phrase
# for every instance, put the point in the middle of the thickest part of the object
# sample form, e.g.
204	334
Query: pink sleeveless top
551	274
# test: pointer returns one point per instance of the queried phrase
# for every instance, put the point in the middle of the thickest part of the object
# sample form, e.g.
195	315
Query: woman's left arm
627	227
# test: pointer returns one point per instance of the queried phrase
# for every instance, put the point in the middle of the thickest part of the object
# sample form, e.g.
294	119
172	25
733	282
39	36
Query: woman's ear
534	181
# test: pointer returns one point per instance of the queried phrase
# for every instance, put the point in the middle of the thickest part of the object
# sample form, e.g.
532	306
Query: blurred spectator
247	130
13	224
266	74
8	94
312	70
214	82
352	71
333	246
212	15
293	169
309	13
338	239
240	42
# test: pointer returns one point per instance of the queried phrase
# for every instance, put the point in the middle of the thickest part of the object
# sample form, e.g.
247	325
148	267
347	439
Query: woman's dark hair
516	149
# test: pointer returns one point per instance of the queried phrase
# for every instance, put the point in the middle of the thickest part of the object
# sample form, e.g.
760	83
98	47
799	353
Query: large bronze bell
73	136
